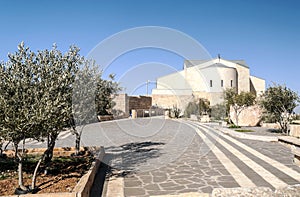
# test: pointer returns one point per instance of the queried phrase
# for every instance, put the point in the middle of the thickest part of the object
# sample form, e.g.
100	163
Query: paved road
157	157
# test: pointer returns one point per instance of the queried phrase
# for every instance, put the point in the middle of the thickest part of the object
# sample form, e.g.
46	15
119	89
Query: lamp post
147	86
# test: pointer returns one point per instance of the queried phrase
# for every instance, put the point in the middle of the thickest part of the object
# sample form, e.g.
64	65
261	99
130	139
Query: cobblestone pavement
182	157
165	157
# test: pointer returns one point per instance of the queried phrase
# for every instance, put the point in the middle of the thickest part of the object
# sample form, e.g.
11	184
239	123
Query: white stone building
205	79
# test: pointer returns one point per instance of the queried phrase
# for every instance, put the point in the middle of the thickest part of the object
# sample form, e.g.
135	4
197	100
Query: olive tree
105	92
238	101
92	96
18	102
83	100
56	75
35	99
279	102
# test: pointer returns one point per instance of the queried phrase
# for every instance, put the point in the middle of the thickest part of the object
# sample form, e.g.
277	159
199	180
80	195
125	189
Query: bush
218	112
233	126
174	112
192	108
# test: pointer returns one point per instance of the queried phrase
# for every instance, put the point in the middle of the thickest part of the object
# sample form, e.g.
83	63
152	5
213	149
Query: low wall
295	130
271	125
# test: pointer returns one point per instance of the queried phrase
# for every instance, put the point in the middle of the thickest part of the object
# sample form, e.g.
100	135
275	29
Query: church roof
191	63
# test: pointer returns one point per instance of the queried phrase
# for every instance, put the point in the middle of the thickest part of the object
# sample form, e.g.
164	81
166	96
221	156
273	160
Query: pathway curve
174	157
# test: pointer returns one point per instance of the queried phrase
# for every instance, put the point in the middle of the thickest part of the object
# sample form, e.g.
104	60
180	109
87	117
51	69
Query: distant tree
191	108
218	111
105	93
204	106
174	112
238	101
279	102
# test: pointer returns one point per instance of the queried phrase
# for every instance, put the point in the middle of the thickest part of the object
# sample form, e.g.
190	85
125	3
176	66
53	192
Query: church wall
258	84
243	76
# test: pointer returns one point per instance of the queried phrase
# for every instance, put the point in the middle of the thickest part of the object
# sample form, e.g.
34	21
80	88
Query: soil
62	176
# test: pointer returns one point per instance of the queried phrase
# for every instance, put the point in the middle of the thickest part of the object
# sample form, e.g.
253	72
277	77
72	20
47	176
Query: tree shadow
274	131
121	161
126	158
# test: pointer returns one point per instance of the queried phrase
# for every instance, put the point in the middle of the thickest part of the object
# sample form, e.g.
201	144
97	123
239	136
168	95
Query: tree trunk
236	117
20	167
49	152
33	182
77	143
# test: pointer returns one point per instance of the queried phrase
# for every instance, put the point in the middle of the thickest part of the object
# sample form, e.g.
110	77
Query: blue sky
266	34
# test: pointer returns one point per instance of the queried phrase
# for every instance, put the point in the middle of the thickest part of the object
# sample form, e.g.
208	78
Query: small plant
233	126
244	130
176	111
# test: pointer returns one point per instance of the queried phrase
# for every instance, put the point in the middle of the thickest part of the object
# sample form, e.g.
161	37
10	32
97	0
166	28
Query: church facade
205	79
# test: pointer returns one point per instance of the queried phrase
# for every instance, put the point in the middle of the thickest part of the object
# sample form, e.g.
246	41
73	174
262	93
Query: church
205	79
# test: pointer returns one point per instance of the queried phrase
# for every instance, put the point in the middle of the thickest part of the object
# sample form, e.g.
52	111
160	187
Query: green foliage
233	126
244	130
218	111
200	107
203	106
18	101
92	96
106	89
174	112
37	91
279	102
192	108
238	101
269	118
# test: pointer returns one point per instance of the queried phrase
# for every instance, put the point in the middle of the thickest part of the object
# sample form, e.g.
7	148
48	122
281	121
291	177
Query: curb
84	185
247	136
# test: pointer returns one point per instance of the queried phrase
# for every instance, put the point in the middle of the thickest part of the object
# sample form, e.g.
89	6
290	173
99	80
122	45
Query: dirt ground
62	176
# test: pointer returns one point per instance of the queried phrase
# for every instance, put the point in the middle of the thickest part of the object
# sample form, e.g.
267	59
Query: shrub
233	126
192	108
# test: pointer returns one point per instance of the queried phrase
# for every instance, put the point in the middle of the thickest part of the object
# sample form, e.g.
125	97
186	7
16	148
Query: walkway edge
246	136
85	184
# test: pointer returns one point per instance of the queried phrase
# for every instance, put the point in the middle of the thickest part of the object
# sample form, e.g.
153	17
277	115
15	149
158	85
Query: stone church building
205	79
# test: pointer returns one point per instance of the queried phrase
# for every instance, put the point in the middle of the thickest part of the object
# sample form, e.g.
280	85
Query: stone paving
166	157
196	169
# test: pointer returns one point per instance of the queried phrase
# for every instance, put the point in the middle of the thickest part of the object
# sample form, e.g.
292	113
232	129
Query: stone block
295	130
250	116
271	125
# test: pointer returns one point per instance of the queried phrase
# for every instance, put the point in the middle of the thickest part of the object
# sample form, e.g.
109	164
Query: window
210	82
231	83
222	83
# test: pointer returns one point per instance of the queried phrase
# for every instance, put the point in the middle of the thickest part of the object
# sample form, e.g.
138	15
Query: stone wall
121	107
250	116
140	102
124	104
168	101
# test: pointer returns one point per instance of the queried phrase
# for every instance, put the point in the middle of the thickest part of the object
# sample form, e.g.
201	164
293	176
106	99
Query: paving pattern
185	157
164	157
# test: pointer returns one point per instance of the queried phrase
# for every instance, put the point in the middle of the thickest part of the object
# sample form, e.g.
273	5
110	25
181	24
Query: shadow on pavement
120	161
